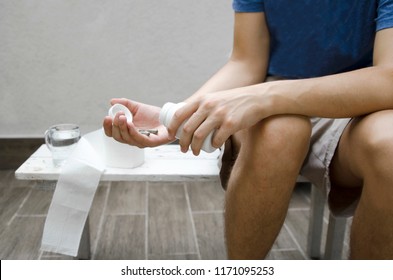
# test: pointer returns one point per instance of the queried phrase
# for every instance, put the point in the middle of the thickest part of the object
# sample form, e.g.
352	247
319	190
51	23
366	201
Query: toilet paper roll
121	155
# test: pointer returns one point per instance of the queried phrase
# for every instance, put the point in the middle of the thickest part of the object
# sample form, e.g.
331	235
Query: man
325	110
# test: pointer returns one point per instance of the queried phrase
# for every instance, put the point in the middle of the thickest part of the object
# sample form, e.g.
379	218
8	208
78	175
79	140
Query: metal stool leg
335	234
318	201
335	237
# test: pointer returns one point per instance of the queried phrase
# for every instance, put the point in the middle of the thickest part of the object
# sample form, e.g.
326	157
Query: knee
281	131
378	145
376	135
285	135
375	138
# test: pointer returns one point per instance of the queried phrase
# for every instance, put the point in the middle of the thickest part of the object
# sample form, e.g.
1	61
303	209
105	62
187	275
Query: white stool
335	232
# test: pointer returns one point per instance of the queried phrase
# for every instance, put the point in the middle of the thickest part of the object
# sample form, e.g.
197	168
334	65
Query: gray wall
62	60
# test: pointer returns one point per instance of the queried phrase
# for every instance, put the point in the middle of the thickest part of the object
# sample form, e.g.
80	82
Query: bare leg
261	184
365	159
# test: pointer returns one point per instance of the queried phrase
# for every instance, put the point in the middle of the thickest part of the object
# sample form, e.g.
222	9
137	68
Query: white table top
164	163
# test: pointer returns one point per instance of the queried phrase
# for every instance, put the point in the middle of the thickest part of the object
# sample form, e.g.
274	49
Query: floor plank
205	196
210	235
122	238
21	240
170	226
127	198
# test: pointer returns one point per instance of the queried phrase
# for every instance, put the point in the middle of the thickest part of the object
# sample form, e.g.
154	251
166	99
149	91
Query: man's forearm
234	74
343	95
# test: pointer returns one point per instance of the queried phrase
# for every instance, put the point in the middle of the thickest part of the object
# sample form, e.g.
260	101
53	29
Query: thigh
365	140
342	172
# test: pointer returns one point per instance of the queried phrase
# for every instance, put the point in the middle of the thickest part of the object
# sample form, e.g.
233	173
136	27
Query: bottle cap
120	108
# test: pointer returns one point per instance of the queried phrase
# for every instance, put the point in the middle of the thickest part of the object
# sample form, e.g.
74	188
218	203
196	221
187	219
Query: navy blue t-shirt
312	38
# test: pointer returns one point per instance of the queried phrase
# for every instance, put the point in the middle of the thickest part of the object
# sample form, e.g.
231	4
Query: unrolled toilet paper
73	197
77	184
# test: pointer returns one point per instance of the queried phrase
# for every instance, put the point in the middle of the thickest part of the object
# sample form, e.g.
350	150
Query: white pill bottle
166	115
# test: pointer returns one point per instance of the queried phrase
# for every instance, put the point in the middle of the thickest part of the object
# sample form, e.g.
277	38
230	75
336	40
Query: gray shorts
325	136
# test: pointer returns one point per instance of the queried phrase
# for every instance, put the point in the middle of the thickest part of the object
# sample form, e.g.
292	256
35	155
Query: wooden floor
140	220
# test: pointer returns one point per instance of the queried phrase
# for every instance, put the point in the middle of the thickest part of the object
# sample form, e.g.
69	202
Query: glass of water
61	139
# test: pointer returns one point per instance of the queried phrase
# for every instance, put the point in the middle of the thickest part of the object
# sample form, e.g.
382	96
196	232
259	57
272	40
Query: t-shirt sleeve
385	14
250	6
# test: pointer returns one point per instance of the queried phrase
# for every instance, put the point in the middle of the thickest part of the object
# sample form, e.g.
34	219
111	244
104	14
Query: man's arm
248	62
348	94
